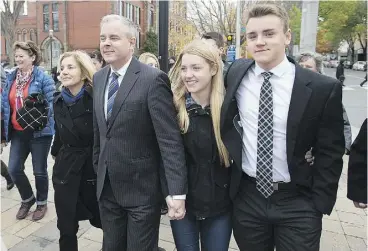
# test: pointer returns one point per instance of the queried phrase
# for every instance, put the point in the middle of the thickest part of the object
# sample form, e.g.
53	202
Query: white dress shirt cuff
177	197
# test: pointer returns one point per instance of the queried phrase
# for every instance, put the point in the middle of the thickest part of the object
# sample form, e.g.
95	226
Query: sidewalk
344	230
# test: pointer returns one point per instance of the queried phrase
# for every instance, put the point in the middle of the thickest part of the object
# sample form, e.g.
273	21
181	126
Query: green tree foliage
344	21
295	15
151	43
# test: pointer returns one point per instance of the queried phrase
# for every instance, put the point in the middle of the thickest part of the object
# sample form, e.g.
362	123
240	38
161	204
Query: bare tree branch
9	19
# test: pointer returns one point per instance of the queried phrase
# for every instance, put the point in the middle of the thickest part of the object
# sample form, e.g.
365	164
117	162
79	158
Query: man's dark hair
219	38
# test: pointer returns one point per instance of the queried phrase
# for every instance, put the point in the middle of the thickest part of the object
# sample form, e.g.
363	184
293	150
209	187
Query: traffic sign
231	55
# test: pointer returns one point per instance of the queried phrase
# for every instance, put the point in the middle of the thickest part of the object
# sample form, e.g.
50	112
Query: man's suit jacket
314	120
142	133
357	170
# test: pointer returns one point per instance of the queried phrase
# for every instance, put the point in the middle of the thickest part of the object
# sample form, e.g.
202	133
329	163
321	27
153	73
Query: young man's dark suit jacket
314	120
357	170
142	133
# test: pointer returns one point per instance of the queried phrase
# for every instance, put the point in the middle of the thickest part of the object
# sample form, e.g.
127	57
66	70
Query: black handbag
33	116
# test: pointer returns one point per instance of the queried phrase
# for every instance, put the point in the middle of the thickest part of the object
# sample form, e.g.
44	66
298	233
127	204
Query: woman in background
149	59
97	60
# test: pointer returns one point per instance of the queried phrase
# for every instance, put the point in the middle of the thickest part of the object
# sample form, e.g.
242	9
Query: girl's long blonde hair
209	53
84	62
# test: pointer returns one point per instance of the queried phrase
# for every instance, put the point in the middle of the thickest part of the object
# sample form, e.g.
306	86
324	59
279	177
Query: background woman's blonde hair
84	62
145	56
201	49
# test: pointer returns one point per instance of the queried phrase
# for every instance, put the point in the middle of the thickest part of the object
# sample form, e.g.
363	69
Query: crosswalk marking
354	88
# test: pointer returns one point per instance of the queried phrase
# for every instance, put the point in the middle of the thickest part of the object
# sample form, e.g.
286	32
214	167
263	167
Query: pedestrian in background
28	79
97	60
4	167
216	40
149	59
340	72
314	62
365	79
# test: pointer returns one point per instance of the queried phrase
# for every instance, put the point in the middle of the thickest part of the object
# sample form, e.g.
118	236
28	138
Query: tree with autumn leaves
342	21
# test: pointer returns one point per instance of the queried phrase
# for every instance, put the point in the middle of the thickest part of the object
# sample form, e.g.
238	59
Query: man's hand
360	205
176	208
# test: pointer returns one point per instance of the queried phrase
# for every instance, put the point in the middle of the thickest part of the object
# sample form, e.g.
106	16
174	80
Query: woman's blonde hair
84	62
145	56
201	49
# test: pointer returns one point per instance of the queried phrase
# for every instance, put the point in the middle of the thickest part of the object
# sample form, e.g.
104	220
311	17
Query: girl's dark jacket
208	179
73	175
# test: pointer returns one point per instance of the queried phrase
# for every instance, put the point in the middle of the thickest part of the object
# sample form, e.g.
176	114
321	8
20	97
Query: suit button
108	137
225	186
62	182
231	161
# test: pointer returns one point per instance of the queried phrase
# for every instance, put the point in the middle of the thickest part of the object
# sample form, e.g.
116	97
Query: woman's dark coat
73	176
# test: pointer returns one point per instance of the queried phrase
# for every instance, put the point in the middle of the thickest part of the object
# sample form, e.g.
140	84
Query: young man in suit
135	130
273	112
357	170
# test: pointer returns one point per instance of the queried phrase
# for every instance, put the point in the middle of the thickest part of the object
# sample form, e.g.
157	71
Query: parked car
334	63
360	66
326	64
348	64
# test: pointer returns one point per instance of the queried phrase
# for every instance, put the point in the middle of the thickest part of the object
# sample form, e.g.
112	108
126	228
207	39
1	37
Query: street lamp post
51	36
163	35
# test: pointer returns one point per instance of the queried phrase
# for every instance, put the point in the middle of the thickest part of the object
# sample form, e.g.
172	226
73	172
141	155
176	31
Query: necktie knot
115	75
267	75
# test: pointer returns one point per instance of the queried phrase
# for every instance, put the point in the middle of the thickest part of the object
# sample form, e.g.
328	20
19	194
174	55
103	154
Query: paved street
343	230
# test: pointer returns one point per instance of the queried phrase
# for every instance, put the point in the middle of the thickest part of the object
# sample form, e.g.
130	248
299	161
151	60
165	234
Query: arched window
31	35
24	35
19	35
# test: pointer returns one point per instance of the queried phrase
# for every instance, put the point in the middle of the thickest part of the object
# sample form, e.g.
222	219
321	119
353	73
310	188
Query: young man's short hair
217	37
261	10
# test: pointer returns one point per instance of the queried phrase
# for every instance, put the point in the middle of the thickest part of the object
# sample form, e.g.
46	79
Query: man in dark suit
135	129
273	112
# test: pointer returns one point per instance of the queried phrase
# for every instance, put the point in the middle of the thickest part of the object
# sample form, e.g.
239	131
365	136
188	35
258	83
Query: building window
55	49
24	36
152	16
19	36
137	15
55	16
46	17
131	12
138	40
31	35
123	9
149	19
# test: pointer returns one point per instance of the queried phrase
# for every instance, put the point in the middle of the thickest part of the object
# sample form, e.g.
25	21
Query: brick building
75	24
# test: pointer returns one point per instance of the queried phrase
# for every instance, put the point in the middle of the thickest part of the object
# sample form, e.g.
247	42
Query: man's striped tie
113	89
